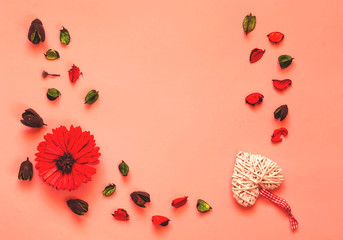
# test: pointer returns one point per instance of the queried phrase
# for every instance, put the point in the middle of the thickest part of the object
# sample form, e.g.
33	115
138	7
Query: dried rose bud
109	190
36	32
52	54
25	170
53	94
32	119
160	220
91	97
249	23
285	61
74	73
140	198
123	168
46	74
203	206
281	112
78	206
64	36
256	54
121	215
179	202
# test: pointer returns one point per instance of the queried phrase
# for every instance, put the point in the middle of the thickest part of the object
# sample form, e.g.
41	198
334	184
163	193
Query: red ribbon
281	203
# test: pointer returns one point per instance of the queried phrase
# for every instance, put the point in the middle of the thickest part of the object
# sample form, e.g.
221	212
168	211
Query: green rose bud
123	168
203	206
109	190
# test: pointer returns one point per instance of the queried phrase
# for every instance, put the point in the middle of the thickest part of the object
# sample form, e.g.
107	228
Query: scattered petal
64	36
78	206
256	54
160	220
25	170
140	198
109	190
249	23
121	215
74	73
275	37
53	94
254	98
179	202
281	112
203	206
91	97
282	84
52	54
123	168
276	137
285	61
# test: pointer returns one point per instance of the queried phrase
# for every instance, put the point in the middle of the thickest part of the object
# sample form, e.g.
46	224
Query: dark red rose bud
74	73
121	215
25	170
256	54
140	198
275	37
32	119
276	137
78	206
36	32
254	98
282	84
160	220
179	202
281	112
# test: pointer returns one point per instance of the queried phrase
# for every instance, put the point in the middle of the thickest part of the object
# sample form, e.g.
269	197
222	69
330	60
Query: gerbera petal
47	173
51	138
52	179
85	170
74	135
88	152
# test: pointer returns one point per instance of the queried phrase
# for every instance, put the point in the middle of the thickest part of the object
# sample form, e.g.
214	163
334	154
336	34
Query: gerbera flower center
65	163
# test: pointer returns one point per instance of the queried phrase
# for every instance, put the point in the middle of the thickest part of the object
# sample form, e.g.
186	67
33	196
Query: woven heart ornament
255	175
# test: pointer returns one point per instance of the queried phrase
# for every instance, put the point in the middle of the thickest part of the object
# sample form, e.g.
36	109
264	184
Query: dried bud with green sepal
64	36
123	168
285	61
52	54
249	23
91	97
140	198
36	32
78	206
53	94
25	170
109	190
32	119
281	112
203	206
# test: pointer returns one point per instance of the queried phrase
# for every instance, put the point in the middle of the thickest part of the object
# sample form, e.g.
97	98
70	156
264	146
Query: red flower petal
160	220
282	84
179	202
256	54
275	37
254	98
74	73
121	215
276	137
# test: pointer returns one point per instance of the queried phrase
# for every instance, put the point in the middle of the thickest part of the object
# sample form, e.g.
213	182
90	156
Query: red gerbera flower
64	158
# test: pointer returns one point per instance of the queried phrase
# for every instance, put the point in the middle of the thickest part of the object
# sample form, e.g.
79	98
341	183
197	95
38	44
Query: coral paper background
172	77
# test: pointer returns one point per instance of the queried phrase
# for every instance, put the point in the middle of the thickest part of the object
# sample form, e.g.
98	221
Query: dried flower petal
52	54
123	168
285	61
74	73
109	190
256	54
53	94
281	112
78	206
36	32
160	220
254	98
64	36
203	206
179	202
91	97
276	137
282	84
25	170
32	119
275	37
121	215
140	198
249	23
